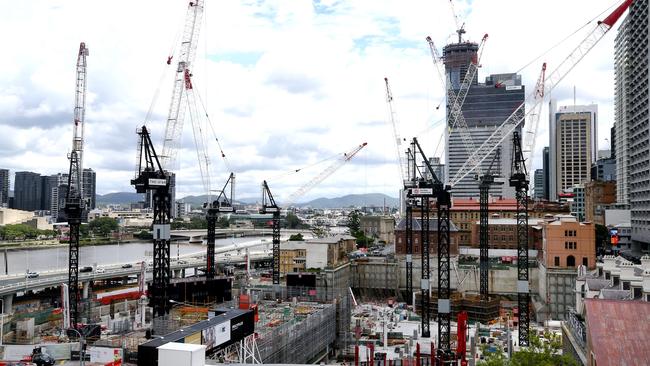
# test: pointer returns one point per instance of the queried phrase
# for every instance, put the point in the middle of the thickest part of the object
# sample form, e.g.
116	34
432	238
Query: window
570	261
585	262
557	261
626	285
616	281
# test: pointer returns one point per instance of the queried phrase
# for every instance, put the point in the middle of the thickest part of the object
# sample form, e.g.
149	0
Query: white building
573	146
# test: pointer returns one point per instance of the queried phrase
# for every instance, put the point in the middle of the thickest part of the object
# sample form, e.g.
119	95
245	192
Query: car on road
86	269
100	270
182	262
127	265
32	274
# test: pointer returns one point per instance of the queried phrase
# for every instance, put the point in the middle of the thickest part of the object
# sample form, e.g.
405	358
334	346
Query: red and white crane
182	83
536	97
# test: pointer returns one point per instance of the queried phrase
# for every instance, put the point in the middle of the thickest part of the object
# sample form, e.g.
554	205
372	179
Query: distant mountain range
368	199
119	198
354	200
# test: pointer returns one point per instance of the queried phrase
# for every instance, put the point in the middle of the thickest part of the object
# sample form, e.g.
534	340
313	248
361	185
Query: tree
144	235
540	352
292	221
223	222
354	223
296	237
103	225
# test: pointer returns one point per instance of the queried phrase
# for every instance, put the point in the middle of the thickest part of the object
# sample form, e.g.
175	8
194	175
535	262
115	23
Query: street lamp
82	352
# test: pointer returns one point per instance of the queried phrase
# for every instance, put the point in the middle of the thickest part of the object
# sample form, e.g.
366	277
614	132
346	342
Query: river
19	261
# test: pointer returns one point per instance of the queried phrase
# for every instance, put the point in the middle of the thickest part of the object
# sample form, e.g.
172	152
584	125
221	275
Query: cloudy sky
286	83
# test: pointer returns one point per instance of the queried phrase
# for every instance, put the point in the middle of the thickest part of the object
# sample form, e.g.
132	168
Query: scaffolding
299	332
478	310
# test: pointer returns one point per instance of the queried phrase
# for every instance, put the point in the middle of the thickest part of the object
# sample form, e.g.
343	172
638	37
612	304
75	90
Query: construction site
309	313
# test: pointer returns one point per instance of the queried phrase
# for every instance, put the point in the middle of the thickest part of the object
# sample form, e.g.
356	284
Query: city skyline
287	85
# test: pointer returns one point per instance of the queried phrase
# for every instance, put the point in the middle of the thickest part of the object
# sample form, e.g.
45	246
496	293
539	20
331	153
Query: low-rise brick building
502	234
400	237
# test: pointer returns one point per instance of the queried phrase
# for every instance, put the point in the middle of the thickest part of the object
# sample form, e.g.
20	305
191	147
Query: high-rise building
89	181
4	187
604	170
486	106
49	183
545	167
572	146
637	123
539	184
28	191
621	120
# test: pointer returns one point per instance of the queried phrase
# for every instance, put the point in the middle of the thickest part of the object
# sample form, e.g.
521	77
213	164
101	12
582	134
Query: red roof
618	331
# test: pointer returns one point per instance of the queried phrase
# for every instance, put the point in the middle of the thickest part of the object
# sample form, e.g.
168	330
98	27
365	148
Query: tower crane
182	81
269	206
160	186
75	204
485	182
552	80
331	169
519	178
222	204
150	176
422	186
398	140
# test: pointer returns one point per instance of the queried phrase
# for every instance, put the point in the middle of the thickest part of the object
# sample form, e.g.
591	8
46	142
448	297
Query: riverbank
54	243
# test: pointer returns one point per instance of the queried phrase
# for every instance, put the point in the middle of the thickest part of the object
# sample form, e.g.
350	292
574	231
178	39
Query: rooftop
617	331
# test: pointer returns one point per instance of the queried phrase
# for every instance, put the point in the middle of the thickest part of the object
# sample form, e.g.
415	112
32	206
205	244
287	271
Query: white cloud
286	83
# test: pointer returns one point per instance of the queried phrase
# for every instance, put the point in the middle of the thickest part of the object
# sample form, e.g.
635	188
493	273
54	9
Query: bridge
10	285
197	236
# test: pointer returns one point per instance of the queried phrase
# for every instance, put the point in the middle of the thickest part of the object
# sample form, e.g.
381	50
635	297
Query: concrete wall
617	217
10	216
466	278
556	290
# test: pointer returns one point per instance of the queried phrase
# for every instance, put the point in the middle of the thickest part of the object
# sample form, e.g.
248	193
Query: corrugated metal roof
618	331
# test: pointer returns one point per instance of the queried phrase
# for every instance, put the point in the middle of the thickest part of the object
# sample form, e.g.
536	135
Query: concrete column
125	280
8	303
183	272
177	273
86	288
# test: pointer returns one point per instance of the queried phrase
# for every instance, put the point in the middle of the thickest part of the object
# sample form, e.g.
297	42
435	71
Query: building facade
28	191
545	167
567	244
573	146
381	228
400	237
599	196
4	187
621	121
604	170
538	181
502	234
486	106
578	202
637	119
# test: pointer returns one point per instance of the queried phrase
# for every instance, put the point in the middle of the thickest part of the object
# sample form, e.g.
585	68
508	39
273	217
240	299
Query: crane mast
398	139
182	81
269	206
535	98
222	204
75	204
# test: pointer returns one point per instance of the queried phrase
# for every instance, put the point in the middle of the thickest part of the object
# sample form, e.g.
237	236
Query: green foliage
292	221
103	226
354	225
23	232
296	237
144	235
223	223
195	223
541	352
84	231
